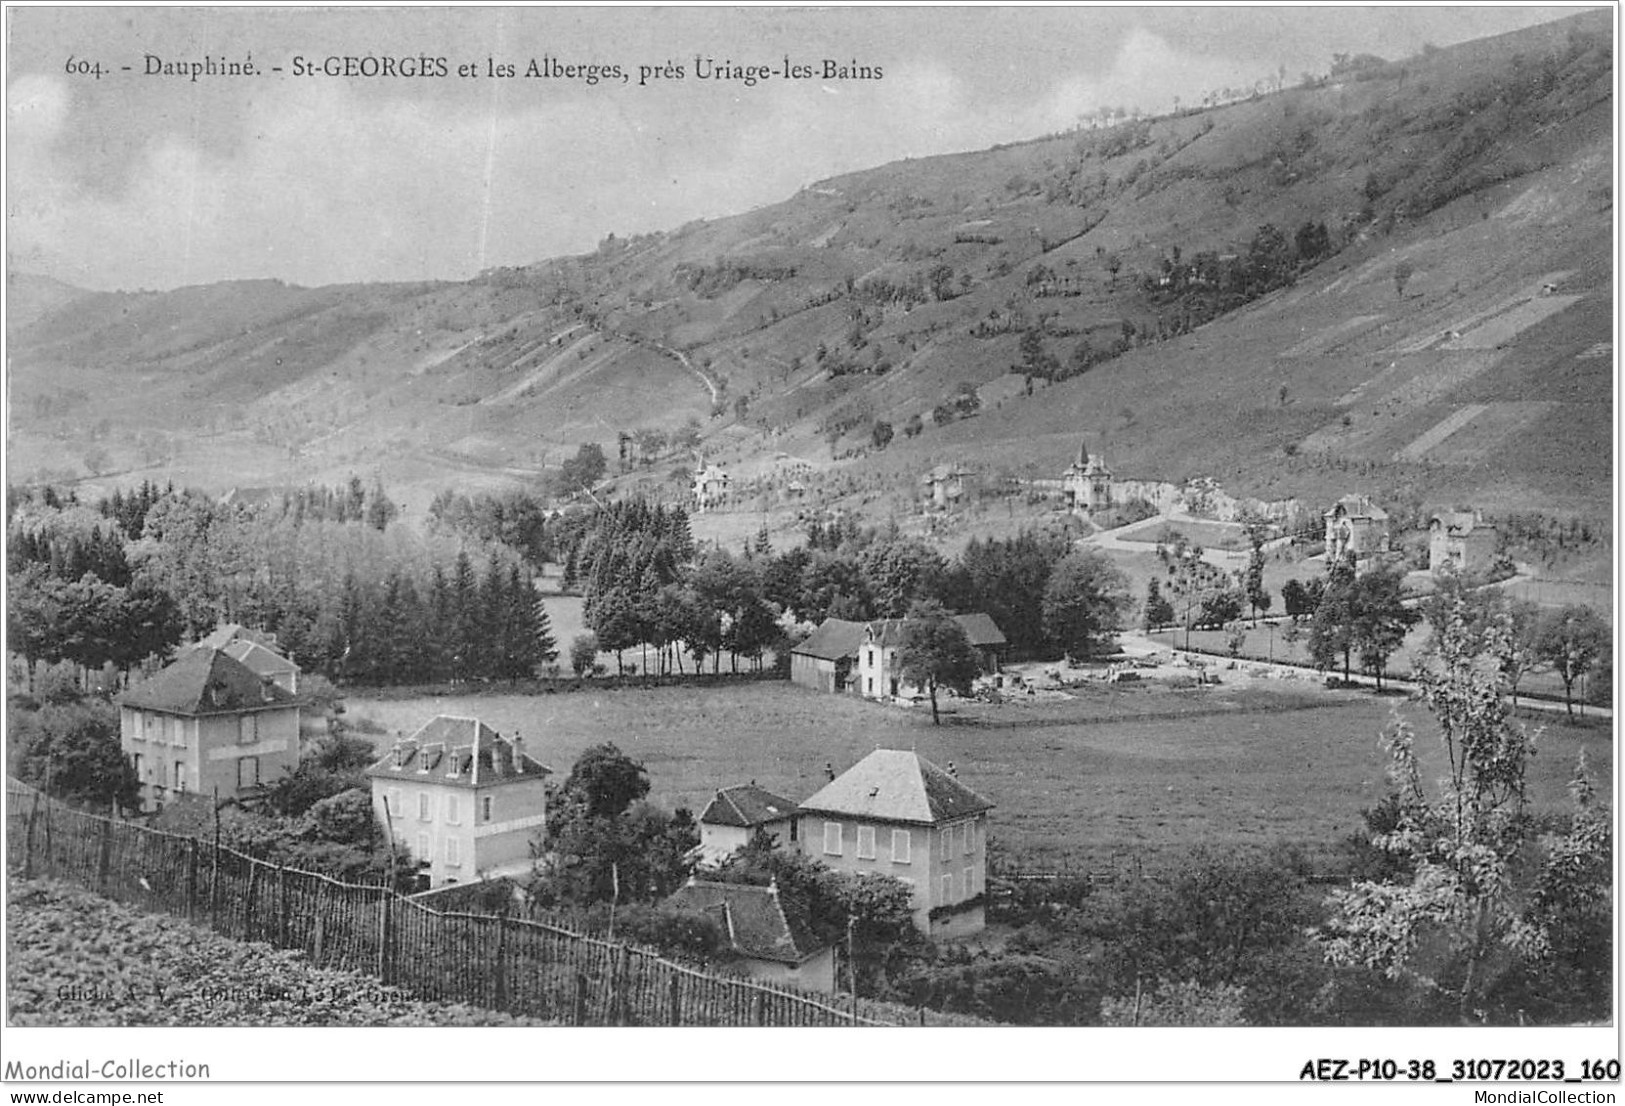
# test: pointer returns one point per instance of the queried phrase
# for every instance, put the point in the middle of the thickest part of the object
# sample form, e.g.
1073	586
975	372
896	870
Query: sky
146	180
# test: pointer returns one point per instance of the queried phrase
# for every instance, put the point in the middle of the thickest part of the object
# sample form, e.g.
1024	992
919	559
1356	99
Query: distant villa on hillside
1087	483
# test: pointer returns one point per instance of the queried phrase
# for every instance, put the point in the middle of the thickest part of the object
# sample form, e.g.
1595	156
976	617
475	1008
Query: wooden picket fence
513	965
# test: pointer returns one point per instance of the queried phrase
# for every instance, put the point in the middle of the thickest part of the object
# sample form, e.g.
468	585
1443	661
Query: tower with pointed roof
895	813
1087	483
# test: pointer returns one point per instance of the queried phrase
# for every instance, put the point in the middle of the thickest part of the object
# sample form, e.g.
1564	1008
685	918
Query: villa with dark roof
736	813
209	725
768	935
895	813
461	798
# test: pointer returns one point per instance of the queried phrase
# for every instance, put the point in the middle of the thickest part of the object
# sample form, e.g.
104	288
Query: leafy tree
898	573
583	652
1158	611
1381	619
880	434
1475	611
72	750
1332	631
1300	599
1257	597
606	842
605	781
585	469
1084	603
1457	915
1571	640
934	651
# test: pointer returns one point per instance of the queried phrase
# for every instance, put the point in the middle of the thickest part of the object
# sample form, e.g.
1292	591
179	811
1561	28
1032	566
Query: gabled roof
228	632
979	628
1357	506
1461	523
206	681
458	752
753	919
884	632
982	631
835	638
746	805
259	659
890	785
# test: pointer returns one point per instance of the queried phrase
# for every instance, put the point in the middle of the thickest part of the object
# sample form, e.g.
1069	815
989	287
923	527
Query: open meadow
1111	777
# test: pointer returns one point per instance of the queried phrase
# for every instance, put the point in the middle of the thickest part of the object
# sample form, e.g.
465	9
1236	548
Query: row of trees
345	598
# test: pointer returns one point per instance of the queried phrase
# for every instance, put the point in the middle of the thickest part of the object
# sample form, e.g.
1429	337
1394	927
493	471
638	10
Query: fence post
28	839
761	1008
214	888
501	988
191	879
248	899
50	844
619	980
581	999
104	857
318	937
282	905
675	1013
386	965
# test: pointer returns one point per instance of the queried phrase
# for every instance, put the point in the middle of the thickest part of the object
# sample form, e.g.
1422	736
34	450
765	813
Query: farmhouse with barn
879	674
208	725
461	798
824	661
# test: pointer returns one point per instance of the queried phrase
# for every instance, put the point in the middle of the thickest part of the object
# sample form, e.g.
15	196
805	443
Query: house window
948	888
395	810
870	663
947	839
971	882
180	775
902	847
177	732
832	839
966	834
248	729
452	813
135	762
866	842
452	856
248	771
869	686
424	850
423	807
485	808
795	829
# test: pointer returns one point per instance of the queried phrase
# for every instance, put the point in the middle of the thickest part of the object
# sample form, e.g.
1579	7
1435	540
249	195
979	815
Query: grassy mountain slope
1484	170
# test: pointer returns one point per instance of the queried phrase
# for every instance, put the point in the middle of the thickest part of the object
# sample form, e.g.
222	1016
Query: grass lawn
1262	645
1207	534
1110	776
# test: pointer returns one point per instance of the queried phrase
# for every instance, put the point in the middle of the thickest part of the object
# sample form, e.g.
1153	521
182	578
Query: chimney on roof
518	755
829	770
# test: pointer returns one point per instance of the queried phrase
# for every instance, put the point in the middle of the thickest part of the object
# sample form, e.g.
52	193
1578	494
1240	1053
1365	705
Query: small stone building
1461	542
735	814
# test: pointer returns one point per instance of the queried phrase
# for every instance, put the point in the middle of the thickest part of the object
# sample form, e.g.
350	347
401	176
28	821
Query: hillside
1480	173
